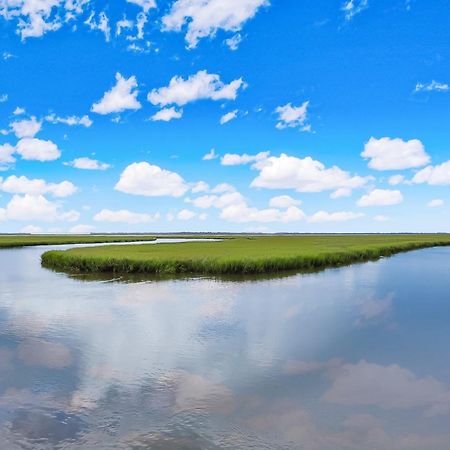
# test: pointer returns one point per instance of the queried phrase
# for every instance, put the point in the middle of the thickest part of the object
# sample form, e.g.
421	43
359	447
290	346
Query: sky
224	115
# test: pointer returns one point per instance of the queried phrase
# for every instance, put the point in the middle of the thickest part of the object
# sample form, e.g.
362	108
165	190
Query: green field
23	240
239	255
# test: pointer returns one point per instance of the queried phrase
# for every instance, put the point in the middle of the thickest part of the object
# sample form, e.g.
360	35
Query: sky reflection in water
353	358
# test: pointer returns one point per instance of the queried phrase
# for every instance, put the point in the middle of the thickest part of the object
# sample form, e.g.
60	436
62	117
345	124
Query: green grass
240	255
18	240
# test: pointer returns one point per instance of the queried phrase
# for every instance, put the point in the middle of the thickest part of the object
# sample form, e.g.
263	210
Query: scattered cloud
85	121
31	229
283	202
233	159
395	180
204	18
26	128
341	216
395	154
290	116
340	193
234	41
87	164
81	229
303	175
102	24
124	216
381	197
432	86
37	150
242	213
352	8
149	180
210	155
3	98
19	111
434	175
436	203
228	117
146	5
201	186
6	156
121	97
186	214
167	114
24	185
201	86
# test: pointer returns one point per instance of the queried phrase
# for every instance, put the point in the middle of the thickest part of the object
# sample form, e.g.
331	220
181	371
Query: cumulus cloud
434	175
146	5
102	24
121	97
234	41
87	164
200	186
381	197
85	121
167	114
6	156
340	193
432	86
35	208
352	8
395	154
82	229
228	117
210	155
124	216
205	17
290	116
341	216
303	175
233	159
395	180
186	214
436	203
24	185
200	86
284	201
37	150
31	229
149	180
26	128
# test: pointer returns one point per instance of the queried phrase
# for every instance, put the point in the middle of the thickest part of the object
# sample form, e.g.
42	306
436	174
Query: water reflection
352	358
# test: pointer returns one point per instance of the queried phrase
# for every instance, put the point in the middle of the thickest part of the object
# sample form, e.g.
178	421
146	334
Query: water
353	358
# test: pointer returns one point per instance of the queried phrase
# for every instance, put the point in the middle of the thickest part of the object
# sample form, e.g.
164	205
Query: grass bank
23	240
240	255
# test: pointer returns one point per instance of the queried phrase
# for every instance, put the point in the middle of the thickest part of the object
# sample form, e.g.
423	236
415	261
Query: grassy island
26	240
240	255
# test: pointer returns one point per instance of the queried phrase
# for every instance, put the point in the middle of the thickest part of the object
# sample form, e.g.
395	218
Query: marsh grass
240	255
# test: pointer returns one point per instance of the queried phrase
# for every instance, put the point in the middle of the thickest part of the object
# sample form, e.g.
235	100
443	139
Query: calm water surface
353	358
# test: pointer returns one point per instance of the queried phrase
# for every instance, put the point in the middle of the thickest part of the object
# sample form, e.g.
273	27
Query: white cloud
31	229
205	17
3	98
241	213
303	175
232	159
353	7
200	86
102	24
186	214
340	193
387	387
152	181
284	201
19	111
146	5
26	128
24	185
341	216
290	116
234	41
124	216
6	156
394	154
70	120
218	201
37	149
395	180
434	175
228	117
201	186
210	156
82	229
381	197
121	97
87	164
436	203
432	86
123	24
167	114
35	208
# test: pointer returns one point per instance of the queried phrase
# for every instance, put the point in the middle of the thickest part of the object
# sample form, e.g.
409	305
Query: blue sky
224	115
